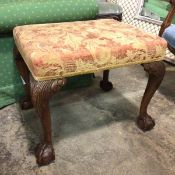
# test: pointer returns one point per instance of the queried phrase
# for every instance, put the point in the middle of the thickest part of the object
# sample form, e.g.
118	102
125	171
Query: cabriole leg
41	93
156	71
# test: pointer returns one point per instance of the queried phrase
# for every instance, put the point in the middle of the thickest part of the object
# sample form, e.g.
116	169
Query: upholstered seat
169	35
66	49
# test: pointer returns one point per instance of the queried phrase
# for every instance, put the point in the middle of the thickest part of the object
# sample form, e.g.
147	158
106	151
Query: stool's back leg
25	74
41	93
105	84
156	73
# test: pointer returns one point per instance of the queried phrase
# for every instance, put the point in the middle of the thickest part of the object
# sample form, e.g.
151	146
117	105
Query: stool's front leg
156	71
105	84
41	93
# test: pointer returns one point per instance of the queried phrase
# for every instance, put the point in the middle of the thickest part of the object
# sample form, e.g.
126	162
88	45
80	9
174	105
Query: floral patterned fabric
72	48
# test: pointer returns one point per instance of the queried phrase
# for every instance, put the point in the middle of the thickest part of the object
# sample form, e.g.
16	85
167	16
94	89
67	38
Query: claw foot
145	123
44	154
106	85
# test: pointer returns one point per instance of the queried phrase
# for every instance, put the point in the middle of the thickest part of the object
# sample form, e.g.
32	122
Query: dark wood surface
41	92
38	94
156	72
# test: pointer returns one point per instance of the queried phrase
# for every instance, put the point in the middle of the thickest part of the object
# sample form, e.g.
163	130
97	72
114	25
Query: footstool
46	54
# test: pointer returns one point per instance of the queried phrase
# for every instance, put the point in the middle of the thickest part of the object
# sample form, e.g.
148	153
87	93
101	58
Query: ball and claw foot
44	154
145	123
106	85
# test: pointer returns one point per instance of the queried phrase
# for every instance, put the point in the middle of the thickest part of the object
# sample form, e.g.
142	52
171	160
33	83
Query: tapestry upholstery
68	49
